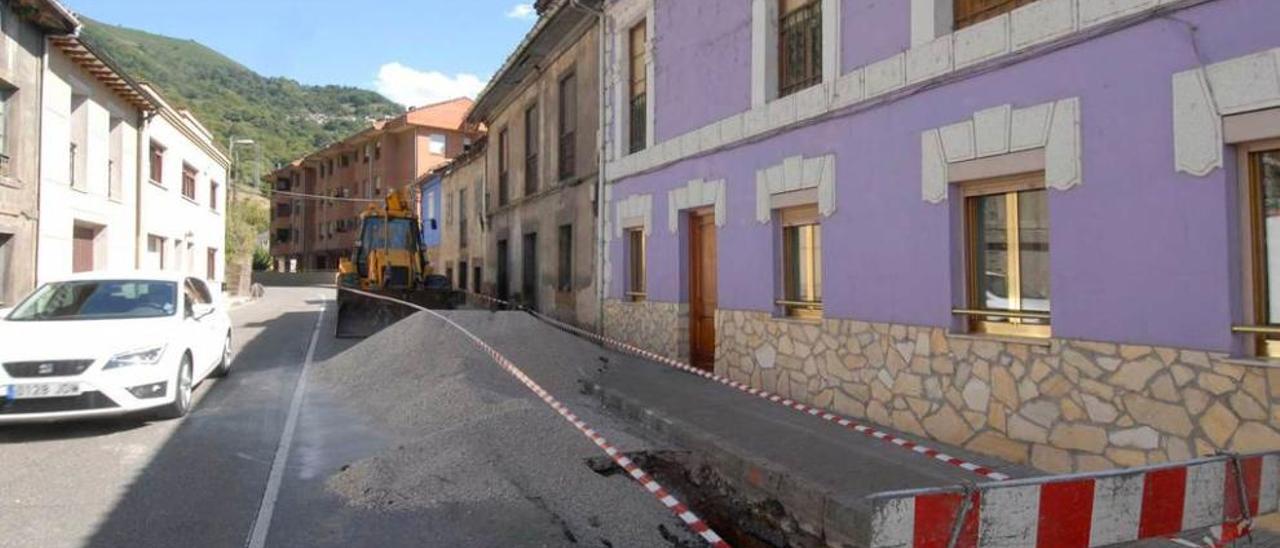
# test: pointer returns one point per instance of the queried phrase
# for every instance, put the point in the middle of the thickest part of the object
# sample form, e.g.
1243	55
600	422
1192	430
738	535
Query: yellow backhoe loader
388	259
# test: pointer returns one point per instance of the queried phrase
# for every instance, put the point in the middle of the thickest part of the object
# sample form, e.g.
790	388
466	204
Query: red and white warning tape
763	394
691	520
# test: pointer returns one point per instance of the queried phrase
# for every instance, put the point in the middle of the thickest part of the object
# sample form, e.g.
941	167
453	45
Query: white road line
262	525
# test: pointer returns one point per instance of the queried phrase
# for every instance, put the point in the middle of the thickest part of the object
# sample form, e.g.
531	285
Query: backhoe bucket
360	316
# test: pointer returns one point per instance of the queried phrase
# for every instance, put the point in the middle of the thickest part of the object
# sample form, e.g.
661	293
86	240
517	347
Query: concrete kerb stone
817	509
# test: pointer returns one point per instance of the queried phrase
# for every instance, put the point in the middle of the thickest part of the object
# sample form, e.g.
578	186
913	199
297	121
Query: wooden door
82	249
504	283
702	290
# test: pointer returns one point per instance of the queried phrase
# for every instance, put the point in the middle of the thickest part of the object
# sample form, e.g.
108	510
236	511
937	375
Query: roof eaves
480	110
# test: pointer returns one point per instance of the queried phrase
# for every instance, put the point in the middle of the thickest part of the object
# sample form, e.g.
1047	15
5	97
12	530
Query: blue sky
414	51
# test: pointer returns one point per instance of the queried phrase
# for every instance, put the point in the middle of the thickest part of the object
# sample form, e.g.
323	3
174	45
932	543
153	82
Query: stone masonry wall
1060	406
657	326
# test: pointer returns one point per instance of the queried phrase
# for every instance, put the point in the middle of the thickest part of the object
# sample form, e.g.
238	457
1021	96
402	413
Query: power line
323	197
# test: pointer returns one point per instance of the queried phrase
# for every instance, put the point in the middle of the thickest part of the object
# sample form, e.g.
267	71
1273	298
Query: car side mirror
200	310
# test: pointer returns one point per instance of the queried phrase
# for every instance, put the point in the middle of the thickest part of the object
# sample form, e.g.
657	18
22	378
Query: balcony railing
800	49
639	122
531	175
568	152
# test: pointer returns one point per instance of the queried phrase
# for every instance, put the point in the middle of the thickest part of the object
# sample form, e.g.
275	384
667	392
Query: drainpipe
144	119
600	157
35	237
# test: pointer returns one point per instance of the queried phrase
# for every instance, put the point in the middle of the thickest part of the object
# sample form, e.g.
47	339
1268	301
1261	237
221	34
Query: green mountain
287	118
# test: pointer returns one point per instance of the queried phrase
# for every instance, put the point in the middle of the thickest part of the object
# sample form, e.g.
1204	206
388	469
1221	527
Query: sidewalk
819	471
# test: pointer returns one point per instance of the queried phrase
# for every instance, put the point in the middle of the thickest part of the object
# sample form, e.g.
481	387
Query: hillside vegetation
289	119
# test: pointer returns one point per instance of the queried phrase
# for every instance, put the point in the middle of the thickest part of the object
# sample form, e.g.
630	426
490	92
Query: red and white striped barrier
691	520
828	416
1085	509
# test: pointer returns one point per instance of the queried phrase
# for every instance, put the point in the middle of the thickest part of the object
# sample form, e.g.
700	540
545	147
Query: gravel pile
469	435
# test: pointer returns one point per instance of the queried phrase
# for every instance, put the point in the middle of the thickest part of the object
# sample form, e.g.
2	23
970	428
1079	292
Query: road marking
262	525
786	402
691	520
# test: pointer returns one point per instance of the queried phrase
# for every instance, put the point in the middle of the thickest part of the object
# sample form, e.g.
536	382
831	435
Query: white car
105	344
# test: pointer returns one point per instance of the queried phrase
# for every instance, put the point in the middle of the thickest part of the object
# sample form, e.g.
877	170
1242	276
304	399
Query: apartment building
462	238
182	206
1038	229
389	154
542	111
90	139
24	25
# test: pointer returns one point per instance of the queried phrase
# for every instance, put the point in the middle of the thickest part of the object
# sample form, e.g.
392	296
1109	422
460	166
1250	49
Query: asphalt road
513	473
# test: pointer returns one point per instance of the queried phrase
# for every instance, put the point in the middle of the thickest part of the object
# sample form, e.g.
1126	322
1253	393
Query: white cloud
412	87
522	11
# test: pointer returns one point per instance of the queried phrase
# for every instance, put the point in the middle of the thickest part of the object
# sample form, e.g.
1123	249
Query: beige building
541	162
25	24
389	154
462	239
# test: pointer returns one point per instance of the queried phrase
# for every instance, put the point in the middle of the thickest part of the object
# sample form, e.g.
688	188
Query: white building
89	163
183	224
127	180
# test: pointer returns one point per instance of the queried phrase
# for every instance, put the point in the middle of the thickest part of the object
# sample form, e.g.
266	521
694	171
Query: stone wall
657	326
1060	406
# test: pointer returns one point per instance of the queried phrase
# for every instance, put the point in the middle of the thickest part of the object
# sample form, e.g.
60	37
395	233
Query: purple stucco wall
873	30
1139	253
702	51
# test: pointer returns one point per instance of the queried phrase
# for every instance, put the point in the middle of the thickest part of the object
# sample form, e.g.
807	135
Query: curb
839	520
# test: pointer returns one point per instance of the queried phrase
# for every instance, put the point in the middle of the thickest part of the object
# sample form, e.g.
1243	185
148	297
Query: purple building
1039	229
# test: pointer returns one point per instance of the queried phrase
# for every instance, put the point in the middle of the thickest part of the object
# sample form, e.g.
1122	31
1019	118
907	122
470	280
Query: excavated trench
743	521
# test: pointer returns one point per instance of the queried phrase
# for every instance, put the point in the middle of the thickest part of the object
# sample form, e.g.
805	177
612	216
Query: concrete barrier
1085	509
295	279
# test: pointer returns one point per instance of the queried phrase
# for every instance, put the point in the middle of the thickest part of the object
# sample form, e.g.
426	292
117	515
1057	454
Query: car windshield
98	300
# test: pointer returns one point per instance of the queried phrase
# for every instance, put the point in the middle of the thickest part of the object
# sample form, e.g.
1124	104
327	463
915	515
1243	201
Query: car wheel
183	389
224	366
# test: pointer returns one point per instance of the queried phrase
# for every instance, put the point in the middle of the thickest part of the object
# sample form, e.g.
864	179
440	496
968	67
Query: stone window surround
1225	103
1004	141
636	211
624	18
695	194
933	19
1029	31
796	181
764	47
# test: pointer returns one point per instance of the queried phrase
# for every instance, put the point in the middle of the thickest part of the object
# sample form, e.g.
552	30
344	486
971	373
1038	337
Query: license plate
44	390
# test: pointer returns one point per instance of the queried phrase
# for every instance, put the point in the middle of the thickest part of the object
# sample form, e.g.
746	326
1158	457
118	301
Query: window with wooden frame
639	93
801	262
971	12
1007	256
462	219
799	45
635	241
213	195
189	182
567	150
531	150
157	163
1261	203
503	168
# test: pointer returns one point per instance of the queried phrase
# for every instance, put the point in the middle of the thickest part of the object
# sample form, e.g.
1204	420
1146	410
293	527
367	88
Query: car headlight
145	356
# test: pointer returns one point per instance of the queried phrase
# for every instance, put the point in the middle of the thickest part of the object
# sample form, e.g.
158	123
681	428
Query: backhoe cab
388	260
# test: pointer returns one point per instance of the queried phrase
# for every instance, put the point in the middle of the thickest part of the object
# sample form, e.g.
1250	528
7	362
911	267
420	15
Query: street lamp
235	162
